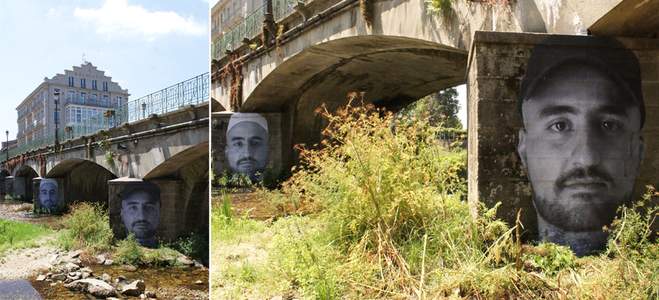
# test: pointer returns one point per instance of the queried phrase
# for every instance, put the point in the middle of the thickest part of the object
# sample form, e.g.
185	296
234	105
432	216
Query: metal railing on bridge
251	26
189	92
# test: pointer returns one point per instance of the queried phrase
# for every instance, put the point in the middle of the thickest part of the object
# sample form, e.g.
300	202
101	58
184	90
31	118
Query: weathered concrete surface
496	67
630	18
219	123
452	29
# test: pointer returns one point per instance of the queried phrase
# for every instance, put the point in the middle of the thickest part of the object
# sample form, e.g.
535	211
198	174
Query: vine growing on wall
106	146
445	6
366	9
233	71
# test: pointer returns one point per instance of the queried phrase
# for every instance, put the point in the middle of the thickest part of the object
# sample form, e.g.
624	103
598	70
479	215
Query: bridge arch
187	171
22	184
82	180
393	71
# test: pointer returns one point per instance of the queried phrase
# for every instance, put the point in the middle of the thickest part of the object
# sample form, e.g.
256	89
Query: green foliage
194	245
439	109
227	228
550	258
303	254
439	6
87	226
16	235
129	251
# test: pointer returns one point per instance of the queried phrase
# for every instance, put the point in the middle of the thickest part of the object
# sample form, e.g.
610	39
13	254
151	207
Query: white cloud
117	17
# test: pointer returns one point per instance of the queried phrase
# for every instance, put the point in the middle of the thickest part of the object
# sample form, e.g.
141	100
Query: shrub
87	226
129	251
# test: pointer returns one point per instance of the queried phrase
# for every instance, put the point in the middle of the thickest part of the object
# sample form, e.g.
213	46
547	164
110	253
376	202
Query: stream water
166	282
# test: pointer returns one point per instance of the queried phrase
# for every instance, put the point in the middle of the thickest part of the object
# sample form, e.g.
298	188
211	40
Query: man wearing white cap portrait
247	146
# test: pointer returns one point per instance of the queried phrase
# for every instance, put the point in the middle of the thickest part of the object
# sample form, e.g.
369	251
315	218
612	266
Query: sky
143	45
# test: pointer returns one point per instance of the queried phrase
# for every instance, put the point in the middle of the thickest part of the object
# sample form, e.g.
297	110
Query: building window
104	100
105	86
70	96
83	83
119	101
83	98
93	99
94	87
71	81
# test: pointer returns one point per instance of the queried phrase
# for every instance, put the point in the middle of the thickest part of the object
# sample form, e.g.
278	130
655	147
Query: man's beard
588	211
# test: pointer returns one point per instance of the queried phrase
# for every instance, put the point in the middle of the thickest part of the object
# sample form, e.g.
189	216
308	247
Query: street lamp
56	117
7	145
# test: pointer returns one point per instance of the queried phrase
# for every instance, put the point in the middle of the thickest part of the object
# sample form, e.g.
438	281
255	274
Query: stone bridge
397	51
169	149
324	49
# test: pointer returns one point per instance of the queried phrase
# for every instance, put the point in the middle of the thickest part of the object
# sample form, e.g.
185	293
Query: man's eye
238	144
255	143
611	125
559	126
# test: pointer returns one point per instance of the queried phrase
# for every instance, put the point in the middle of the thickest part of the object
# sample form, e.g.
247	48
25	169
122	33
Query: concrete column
20	188
497	65
172	207
9	186
62	204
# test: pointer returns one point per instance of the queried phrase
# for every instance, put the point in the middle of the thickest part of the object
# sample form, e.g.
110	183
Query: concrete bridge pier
9	186
183	207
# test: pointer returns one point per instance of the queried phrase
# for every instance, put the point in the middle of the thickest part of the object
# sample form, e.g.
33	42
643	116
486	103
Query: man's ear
521	146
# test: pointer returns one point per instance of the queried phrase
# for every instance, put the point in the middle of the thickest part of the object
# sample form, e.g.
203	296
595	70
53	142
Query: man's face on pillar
247	148
581	147
48	194
140	213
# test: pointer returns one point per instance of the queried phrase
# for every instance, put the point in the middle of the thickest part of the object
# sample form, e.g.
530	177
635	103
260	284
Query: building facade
67	101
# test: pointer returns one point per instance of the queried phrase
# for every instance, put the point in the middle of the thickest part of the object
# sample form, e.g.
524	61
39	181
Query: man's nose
587	148
246	151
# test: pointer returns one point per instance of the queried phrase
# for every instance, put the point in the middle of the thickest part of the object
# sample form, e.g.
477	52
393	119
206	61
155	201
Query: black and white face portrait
247	146
140	212
48	198
581	143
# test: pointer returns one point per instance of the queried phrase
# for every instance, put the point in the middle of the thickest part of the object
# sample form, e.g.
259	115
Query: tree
440	108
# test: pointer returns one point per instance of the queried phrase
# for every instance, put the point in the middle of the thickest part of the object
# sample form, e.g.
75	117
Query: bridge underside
391	71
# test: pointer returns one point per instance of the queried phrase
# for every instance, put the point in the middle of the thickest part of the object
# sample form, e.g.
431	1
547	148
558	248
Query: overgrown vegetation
16	235
390	222
88	227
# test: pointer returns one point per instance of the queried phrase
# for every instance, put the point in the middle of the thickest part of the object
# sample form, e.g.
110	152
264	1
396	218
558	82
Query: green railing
250	27
189	92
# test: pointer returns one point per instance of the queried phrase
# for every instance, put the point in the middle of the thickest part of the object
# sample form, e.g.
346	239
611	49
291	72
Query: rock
112	298
105	277
142	296
277	298
100	259
73	276
58	277
70	267
129	268
97	288
185	261
86	269
179	298
53	284
85	275
108	262
198	282
75	254
41	277
150	294
134	288
121	278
